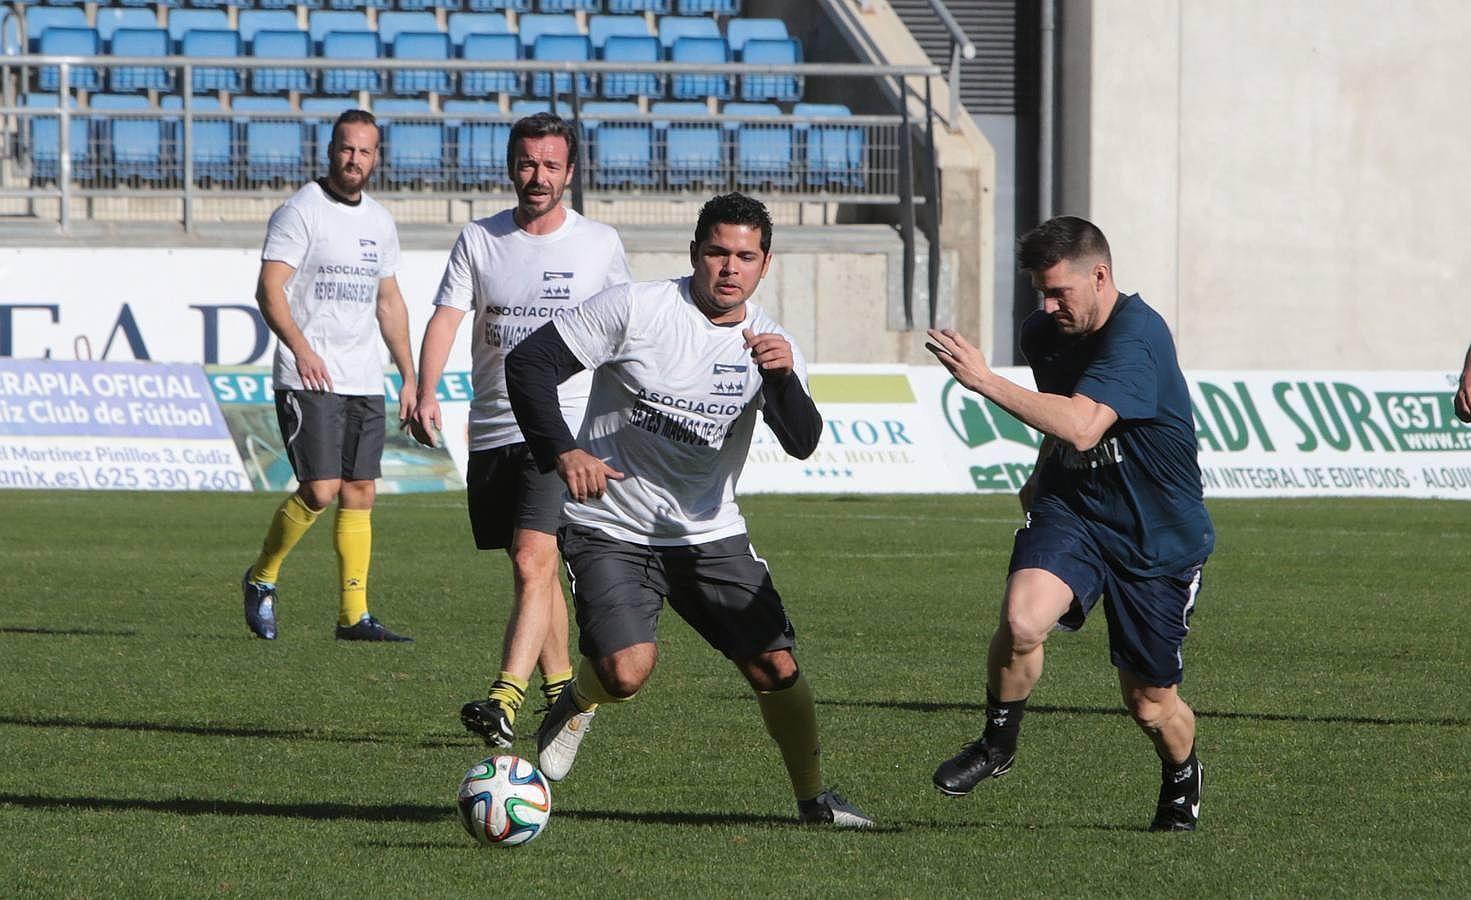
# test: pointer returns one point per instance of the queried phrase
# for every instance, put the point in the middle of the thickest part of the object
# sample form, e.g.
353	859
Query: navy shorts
722	589
505	491
330	436
1148	618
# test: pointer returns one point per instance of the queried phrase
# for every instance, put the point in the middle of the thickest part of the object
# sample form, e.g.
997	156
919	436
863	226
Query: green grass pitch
149	746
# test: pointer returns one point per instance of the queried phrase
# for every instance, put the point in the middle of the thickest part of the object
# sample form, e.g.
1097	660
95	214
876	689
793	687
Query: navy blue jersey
1138	491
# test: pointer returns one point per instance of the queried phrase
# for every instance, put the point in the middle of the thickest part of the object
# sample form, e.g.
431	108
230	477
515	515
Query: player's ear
694	252
766	264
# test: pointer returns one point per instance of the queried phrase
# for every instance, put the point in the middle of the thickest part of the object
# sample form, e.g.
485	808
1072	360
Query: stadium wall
1284	181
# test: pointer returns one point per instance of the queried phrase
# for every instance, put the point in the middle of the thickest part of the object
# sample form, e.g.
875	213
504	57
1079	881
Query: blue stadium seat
211	143
764	154
520	109
134	146
111	19
39	19
709	7
58	41
561	48
486	81
416	5
738	31
834	153
392	24
358	4
140	42
600	28
45	142
351	45
413	142
432	46
627	48
464	24
253	21
779	51
185	20
214	43
519	6
660	7
282	45
622	153
275	149
320	129
672	28
567	6
285	4
480	145
534	25
321	21
700	50
691	141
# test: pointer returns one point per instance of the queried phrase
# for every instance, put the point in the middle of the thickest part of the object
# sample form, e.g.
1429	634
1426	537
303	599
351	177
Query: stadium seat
413	142
351	45
567	6
464	24
431	46
534	25
519	6
214	43
140	42
600	28
480	144
622	153
58	41
358	4
520	109
764	153
491	48
700	50
320	129
284	4
45	141
281	45
275	151
392	24
417	5
134	146
321	21
210	142
691	141
253	21
112	19
659	7
779	51
834	153
561	48
622	85
672	28
40	19
709	7
186	20
738	31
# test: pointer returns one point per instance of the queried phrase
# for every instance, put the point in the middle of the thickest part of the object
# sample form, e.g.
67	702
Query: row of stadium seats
485	37
687	148
659	7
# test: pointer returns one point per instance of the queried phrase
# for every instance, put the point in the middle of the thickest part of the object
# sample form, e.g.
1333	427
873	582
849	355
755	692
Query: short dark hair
355	117
542	124
734	209
1062	238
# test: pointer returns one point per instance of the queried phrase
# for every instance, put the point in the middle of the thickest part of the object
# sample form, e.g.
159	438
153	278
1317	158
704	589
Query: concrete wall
1284	179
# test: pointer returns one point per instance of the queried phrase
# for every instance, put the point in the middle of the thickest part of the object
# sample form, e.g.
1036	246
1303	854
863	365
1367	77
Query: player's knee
534	564
318	495
1022	630
1151	714
622	679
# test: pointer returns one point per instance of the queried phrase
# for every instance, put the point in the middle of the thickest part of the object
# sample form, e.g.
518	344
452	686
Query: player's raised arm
788	409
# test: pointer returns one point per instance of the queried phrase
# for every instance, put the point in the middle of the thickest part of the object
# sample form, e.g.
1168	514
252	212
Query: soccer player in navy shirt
1114	509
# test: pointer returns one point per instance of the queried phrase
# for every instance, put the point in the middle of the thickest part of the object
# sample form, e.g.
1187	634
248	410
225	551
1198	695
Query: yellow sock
553	684
791	719
510	691
353	540
288	525
588	691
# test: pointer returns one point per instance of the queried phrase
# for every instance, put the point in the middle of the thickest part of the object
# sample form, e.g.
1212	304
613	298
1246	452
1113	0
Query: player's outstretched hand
771	352
959	356
586	476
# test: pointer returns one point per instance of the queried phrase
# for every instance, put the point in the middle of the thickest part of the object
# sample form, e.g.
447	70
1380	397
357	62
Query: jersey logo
729	387
369	249
556	285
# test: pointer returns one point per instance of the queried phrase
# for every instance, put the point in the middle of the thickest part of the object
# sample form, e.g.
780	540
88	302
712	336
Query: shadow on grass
393	812
1043	709
695	818
299	734
71	632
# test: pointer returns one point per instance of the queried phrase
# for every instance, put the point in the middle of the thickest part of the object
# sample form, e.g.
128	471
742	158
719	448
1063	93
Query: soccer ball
504	801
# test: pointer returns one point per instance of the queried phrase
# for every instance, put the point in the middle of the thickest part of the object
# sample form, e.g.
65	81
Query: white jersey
340	252
674	401
517	282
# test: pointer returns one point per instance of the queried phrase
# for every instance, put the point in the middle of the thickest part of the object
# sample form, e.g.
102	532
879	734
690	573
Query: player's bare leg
1170	724
614	678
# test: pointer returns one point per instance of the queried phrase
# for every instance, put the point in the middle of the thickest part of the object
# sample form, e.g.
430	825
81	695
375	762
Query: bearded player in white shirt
516	271
328	291
681	368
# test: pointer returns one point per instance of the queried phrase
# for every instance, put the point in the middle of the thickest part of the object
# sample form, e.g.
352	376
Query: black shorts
505	492
1148	618
722	589
331	436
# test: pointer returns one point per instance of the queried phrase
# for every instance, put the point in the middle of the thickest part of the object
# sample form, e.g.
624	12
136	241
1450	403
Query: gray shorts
331	436
505	492
722	589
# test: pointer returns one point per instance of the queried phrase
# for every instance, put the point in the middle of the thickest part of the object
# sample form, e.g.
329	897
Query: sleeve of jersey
1123	377
286	237
533	371
792	416
457	285
389	261
618	272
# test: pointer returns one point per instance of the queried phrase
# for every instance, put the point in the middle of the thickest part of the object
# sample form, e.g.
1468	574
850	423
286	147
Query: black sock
1003	722
1179	779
